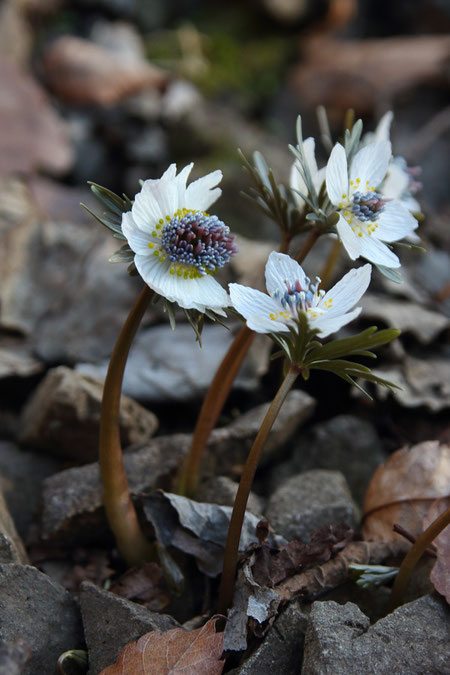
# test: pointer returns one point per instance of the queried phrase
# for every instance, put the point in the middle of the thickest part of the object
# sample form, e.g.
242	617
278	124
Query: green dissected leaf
358	345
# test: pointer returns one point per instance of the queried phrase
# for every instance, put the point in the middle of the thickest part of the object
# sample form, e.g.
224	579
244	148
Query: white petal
396	182
137	240
248	301
331	324
200	194
396	222
374	250
157	199
297	184
370	165
346	293
337	175
382	132
263	324
310	156
281	268
349	240
198	293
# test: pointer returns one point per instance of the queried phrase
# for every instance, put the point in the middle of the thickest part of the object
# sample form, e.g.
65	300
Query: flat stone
166	365
344	443
222	490
72	499
63	416
37	609
21	476
11	546
309	500
282	648
110	622
414	639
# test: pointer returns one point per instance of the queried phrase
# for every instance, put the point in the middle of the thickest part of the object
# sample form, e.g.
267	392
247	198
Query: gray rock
21	476
35	608
63	415
11	546
72	501
344	443
282	649
309	500
413	640
14	656
167	365
222	490
15	364
110	622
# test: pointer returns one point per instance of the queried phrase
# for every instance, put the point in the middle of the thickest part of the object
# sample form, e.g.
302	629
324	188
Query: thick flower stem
211	408
308	244
330	264
131	542
414	555
237	517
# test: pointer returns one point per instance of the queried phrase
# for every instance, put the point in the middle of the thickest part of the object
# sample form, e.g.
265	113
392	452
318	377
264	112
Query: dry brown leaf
402	489
80	71
144	585
32	135
173	652
341	74
440	574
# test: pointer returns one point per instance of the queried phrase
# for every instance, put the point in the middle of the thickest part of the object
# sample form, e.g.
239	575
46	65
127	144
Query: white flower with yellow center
291	292
367	218
178	246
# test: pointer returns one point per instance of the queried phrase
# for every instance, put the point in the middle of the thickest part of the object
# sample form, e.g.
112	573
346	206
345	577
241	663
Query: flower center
297	298
368	206
198	240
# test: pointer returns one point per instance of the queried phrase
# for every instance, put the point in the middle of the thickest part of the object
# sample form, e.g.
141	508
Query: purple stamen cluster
367	206
296	298
198	240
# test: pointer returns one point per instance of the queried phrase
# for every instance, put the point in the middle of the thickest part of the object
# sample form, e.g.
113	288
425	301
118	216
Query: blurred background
112	91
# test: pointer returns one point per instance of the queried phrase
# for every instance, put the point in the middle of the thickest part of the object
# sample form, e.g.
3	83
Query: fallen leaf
271	567
173	652
80	71
342	74
144	585
403	488
32	135
197	529
420	382
440	574
256	599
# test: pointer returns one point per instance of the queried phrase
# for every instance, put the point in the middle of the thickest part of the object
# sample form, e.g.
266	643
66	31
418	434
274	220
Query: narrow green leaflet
371	576
115	207
359	345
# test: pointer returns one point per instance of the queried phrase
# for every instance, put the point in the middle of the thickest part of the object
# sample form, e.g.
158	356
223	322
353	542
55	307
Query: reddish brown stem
131	542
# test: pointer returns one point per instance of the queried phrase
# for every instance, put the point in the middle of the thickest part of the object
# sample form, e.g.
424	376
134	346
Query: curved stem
237	517
330	264
308	244
211	409
120	511
413	556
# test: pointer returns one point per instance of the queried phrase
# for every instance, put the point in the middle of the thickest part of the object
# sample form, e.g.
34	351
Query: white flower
366	217
400	181
178	245
297	182
290	292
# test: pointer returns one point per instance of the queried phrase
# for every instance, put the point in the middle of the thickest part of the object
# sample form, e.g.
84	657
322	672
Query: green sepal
115	207
124	254
390	273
